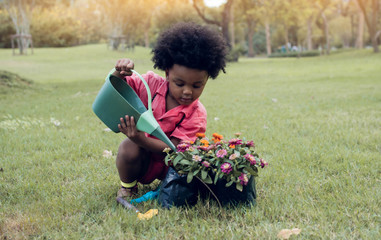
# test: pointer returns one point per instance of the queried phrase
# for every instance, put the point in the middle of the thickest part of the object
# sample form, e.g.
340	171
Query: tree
20	13
184	13
250	13
267	13
371	19
121	20
360	28
225	18
322	21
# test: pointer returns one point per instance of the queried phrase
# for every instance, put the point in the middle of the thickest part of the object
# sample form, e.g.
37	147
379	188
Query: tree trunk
326	33
375	8
232	28
226	13
286	37
268	38
371	23
375	43
250	35
360	30
309	34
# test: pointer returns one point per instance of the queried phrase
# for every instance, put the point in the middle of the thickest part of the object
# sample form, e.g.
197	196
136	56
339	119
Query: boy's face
185	84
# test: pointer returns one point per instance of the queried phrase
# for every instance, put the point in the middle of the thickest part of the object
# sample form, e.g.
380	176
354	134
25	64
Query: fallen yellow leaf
148	215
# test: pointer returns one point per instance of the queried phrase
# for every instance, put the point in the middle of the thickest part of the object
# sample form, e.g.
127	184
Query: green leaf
189	177
177	159
229	183
166	160
239	186
215	179
252	171
208	180
229	161
241	166
187	168
204	174
186	162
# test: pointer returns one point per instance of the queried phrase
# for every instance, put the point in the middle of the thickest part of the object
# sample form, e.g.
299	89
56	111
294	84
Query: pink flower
206	148
203	148
244	179
226	168
263	163
233	156
221	153
206	164
251	159
250	144
182	147
197	158
235	141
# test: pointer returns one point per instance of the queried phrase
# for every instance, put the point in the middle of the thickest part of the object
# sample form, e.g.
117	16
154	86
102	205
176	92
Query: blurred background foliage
252	27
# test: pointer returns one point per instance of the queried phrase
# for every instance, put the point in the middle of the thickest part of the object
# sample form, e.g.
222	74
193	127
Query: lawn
317	121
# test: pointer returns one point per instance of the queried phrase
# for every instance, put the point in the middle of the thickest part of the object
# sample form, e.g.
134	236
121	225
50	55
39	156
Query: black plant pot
231	196
175	191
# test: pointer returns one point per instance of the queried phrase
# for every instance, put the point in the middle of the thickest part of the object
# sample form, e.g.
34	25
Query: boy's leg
132	162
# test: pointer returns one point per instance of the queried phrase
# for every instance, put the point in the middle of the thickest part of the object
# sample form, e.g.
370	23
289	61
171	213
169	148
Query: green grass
315	120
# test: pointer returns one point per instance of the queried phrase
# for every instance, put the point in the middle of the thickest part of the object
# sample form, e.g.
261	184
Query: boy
189	54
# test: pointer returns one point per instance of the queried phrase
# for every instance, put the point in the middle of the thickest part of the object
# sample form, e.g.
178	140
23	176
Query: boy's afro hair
193	46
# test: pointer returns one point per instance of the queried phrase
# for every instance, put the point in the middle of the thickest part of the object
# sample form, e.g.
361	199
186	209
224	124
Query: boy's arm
154	145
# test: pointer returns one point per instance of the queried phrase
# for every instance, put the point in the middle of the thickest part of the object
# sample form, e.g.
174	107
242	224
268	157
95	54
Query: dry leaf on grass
107	154
148	215
286	233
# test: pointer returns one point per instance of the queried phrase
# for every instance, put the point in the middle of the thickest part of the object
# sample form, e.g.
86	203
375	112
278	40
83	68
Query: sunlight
214	3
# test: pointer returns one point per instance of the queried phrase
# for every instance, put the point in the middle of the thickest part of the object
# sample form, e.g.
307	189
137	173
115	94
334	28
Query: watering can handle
147	122
144	82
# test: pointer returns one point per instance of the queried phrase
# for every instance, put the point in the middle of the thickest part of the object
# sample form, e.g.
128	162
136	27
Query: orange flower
217	137
200	135
232	146
205	142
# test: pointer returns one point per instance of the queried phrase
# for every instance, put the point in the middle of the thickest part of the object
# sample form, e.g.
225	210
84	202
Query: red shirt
195	113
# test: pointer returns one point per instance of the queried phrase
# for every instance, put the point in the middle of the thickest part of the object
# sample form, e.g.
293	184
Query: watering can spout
148	124
161	135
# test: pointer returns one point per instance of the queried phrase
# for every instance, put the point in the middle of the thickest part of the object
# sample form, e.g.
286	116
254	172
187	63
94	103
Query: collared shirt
195	113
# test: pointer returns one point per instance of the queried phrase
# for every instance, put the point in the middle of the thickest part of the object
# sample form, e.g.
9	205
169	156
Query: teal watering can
116	99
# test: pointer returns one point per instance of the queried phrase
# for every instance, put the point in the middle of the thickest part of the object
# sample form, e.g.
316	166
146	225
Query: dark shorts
156	169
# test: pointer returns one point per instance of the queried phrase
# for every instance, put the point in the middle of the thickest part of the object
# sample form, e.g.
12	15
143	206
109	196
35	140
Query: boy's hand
128	127
123	67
